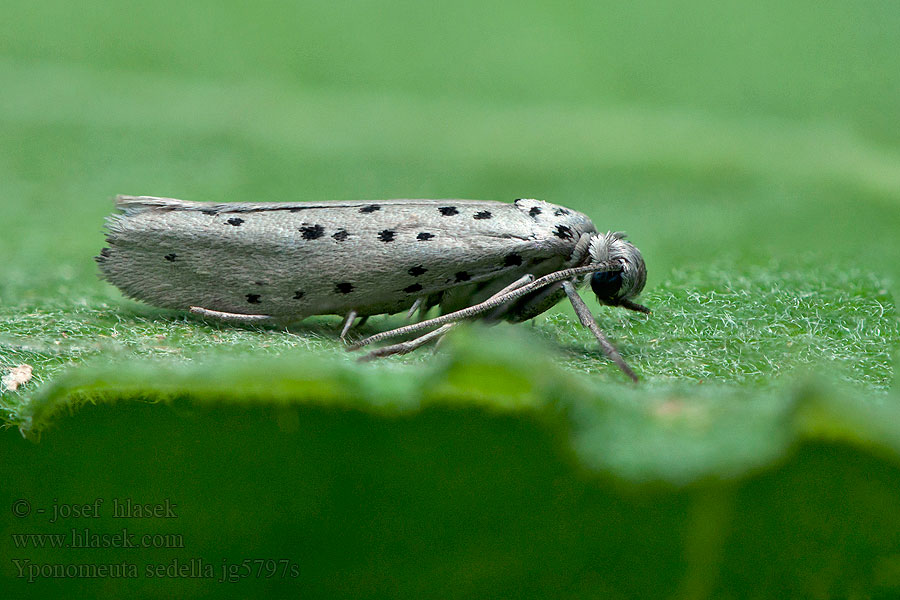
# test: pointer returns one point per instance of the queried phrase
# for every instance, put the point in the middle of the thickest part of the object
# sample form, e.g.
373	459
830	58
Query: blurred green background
751	150
703	129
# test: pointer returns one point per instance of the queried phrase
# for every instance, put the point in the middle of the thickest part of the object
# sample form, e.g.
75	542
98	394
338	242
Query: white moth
283	261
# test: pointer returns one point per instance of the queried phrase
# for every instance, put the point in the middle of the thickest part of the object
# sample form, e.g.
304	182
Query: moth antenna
348	323
490	303
587	319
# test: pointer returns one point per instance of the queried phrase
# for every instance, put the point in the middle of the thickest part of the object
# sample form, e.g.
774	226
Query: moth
283	261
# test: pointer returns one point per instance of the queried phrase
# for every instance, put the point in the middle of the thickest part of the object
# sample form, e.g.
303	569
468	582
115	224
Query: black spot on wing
512	260
562	211
253	298
298	295
210	211
340	235
369	208
424	236
412	289
236	221
386	236
448	211
312	232
105	252
343	287
534	212
417	270
563	232
171	257
481	215
461	276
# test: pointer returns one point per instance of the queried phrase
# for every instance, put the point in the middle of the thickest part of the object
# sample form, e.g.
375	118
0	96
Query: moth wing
292	260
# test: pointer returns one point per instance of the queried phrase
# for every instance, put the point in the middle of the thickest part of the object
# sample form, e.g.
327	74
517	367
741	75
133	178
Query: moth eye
606	285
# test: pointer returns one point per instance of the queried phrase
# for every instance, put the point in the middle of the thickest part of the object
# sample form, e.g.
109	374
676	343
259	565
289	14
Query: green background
751	151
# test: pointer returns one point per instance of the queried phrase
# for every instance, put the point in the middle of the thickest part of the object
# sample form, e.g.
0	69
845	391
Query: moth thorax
612	287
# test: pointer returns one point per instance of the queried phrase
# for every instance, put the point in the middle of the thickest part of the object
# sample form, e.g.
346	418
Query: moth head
617	288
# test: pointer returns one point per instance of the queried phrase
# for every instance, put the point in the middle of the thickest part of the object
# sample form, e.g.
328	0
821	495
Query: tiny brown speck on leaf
17	376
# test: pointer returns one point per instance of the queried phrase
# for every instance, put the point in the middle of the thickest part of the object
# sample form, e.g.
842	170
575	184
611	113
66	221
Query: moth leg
408	346
491	303
348	323
587	319
362	320
502	311
232	317
414	308
530	306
